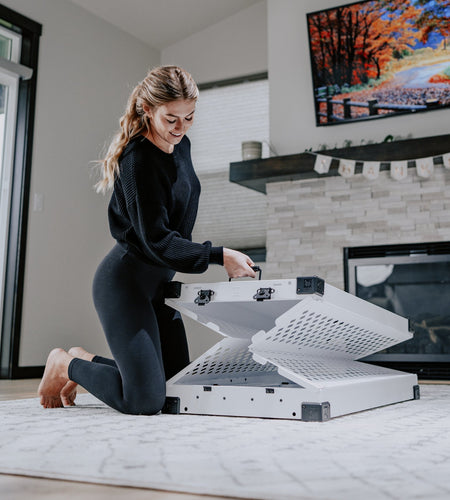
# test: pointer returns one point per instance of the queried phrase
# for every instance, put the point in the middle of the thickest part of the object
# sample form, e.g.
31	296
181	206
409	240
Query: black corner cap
171	406
310	285
411	326
172	290
416	392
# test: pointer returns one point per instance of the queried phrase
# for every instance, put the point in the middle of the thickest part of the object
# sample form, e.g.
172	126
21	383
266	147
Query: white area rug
396	452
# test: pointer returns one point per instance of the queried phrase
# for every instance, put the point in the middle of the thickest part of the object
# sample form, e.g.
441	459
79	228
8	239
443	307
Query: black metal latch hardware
263	294
310	285
204	297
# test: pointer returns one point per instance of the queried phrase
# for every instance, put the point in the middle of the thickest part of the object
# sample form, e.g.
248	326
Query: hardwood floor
18	389
24	488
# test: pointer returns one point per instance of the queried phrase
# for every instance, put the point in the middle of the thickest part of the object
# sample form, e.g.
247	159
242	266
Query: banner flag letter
347	168
425	167
322	164
399	170
371	169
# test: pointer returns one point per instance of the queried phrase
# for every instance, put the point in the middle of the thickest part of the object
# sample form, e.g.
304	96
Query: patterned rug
396	452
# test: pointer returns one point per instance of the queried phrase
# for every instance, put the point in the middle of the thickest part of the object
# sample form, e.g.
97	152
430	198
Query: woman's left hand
237	264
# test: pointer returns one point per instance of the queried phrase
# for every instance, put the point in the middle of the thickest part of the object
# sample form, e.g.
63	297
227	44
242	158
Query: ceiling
160	23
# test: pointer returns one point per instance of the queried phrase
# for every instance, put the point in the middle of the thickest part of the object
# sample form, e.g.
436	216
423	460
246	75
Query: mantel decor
396	157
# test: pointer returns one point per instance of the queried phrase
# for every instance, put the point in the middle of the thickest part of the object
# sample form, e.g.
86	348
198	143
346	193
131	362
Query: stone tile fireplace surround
310	221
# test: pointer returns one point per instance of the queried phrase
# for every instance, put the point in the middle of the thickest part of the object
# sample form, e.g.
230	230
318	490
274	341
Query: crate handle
257	269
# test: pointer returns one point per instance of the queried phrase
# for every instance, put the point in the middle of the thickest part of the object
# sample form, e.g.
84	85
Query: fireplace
412	280
311	217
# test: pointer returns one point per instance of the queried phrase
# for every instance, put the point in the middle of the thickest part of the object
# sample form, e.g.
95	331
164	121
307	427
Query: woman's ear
147	110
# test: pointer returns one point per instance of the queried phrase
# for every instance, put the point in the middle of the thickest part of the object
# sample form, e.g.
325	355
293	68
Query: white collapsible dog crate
289	351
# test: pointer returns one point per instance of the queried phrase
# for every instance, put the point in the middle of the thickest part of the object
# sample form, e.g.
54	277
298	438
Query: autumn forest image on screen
378	58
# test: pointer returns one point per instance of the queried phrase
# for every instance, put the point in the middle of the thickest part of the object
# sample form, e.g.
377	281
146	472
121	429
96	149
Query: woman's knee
143	406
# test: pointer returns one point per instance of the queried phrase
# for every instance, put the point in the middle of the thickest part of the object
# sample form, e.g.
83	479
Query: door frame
20	193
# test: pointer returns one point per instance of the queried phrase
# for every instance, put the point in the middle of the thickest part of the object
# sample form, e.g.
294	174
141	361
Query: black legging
146	337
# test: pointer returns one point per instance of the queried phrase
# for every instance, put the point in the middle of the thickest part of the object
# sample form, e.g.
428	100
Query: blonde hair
161	85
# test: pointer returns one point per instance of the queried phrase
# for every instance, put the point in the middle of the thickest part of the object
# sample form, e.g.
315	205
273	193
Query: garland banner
371	169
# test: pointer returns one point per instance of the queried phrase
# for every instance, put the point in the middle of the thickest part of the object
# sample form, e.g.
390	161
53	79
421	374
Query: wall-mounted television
379	58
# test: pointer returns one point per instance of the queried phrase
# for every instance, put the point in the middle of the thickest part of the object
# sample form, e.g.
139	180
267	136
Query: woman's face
170	122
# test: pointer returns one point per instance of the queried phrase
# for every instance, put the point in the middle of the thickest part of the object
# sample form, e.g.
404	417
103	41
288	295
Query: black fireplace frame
426	366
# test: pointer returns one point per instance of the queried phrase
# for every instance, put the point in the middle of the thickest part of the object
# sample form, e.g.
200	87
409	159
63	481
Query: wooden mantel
255	174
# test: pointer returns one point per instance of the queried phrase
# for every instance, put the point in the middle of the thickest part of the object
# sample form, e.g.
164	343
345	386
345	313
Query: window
226	116
10	44
19	46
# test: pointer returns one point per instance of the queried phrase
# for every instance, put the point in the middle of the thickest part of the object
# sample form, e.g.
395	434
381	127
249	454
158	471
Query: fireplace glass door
414	283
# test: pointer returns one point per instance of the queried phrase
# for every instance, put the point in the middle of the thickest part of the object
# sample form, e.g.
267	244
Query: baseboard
27	372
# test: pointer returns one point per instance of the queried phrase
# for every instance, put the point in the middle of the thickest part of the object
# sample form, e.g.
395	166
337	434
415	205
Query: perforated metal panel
321	372
319	328
230	361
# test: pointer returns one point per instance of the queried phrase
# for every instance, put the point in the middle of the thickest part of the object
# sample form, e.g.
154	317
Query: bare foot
54	379
79	352
69	391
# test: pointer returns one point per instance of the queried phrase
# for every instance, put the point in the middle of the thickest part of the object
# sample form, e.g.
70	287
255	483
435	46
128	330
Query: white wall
234	47
292	117
87	69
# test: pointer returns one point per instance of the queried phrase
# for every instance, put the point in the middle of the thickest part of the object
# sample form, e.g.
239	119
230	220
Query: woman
151	215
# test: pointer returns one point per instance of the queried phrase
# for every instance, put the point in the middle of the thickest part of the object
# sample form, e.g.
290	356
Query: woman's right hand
237	264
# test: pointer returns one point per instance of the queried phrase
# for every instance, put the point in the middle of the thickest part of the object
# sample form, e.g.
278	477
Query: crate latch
204	297
263	294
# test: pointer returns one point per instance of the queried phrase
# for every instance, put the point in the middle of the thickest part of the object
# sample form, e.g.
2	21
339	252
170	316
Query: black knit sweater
154	206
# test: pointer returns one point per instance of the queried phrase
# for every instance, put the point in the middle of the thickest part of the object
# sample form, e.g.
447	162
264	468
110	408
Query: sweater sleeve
147	191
